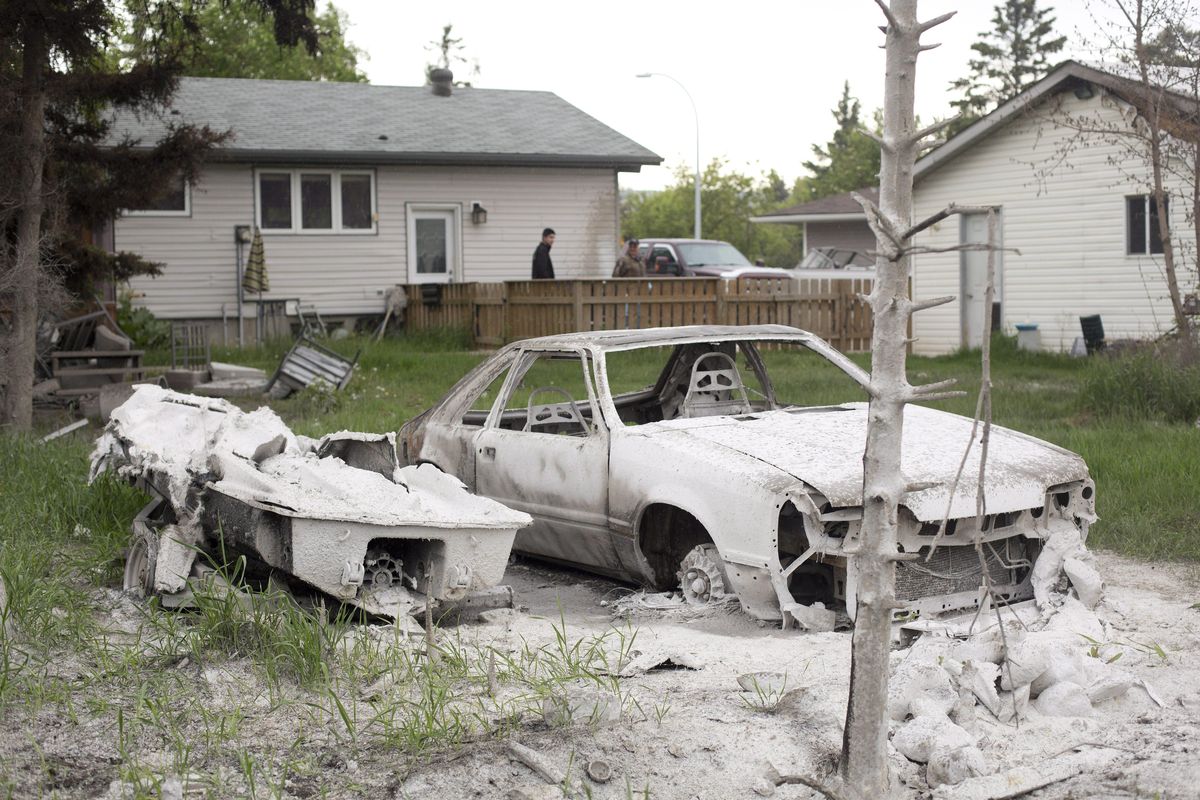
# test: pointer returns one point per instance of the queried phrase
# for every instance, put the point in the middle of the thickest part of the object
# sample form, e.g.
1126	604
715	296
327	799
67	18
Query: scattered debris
641	663
599	770
63	431
539	764
1022	780
308	362
337	513
581	704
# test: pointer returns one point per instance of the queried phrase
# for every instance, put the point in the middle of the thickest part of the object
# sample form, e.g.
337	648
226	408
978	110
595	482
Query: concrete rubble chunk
952	765
1025	663
1105	681
918	739
1086	581
1020	781
1056	548
910	679
1064	699
980	679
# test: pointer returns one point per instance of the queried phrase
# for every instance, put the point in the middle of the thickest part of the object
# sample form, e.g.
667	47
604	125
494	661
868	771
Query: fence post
504	313
578	298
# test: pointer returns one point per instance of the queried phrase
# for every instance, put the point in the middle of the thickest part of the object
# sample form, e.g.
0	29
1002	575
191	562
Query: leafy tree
728	200
449	51
849	161
59	89
238	41
1011	56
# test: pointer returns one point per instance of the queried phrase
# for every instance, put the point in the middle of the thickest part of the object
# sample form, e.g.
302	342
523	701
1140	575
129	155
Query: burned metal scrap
337	513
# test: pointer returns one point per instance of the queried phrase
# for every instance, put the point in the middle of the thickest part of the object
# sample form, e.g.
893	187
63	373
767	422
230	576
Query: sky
765	76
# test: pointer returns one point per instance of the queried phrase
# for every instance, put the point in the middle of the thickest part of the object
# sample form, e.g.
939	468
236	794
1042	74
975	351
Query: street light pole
696	115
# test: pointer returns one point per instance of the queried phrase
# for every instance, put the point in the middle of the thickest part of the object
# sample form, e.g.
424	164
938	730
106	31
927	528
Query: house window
1141	225
316	201
175	201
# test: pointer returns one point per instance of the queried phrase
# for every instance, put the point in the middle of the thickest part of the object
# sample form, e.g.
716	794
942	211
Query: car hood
823	447
731	271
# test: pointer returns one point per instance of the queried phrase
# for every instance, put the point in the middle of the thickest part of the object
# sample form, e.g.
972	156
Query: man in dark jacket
543	267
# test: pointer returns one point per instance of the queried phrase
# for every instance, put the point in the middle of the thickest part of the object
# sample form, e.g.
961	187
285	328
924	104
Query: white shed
1075	219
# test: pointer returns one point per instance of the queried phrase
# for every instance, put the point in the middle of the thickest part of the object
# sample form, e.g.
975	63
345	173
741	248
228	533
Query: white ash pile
956	698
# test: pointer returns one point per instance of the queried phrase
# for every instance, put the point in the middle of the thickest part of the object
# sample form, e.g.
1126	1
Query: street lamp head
645	74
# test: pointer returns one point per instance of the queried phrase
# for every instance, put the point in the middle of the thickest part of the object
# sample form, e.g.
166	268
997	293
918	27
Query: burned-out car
724	460
338	513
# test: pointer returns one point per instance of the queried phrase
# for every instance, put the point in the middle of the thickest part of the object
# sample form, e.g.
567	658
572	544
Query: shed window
311	201
1141	225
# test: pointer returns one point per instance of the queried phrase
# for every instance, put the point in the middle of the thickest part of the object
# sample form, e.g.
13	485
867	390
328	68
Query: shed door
432	244
973	230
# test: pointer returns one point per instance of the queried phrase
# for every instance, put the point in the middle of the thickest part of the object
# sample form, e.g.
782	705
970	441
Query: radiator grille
955	568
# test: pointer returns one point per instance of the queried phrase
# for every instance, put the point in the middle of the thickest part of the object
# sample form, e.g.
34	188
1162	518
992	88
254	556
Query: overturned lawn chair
308	362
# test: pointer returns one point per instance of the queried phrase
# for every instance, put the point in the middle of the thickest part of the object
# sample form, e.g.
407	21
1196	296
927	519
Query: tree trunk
1153	98
22	347
864	747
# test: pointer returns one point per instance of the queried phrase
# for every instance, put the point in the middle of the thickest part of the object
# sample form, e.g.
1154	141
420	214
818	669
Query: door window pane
431	246
275	199
356	201
554	388
316	201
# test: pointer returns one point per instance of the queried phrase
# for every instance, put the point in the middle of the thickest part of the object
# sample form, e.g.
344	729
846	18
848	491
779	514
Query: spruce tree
850	160
1015	53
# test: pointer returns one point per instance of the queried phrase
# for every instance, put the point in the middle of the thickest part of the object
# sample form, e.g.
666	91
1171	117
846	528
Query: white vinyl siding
1069	228
343	274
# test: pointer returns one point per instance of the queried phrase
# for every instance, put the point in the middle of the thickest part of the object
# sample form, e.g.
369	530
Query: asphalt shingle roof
310	120
836	204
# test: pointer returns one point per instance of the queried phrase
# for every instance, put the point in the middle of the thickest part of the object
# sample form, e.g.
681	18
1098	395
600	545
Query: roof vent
442	81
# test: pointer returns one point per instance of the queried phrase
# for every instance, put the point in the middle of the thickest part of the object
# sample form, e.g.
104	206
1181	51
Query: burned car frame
337	514
705	480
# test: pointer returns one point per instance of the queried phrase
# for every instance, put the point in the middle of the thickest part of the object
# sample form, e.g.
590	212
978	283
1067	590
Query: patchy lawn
289	701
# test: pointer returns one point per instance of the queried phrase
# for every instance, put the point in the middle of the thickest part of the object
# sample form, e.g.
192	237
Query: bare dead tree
863	771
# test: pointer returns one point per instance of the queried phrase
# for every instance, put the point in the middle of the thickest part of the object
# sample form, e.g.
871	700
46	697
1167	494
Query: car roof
656	240
629	339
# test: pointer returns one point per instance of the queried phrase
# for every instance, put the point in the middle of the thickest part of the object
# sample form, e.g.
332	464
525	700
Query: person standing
543	267
630	264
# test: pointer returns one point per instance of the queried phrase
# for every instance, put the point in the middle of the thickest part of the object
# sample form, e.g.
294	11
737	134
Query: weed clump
1160	383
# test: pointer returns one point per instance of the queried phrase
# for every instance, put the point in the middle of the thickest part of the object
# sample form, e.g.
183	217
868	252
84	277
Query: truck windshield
704	254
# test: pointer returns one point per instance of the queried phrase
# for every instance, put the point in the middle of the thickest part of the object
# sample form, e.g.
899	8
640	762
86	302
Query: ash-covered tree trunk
863	768
23	279
1154	99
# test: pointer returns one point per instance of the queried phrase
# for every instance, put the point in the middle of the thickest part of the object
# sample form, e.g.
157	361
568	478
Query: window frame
596	426
1149	231
335	189
155	212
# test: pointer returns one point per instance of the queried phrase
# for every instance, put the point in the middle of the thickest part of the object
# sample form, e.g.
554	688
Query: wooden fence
498	313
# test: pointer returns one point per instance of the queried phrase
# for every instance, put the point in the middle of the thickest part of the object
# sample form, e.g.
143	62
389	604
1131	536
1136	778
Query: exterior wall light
478	214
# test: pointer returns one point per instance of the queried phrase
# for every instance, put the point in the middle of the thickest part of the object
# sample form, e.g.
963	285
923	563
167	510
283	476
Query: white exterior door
433	244
974	278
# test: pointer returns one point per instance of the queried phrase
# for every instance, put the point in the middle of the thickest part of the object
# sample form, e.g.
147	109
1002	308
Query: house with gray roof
357	188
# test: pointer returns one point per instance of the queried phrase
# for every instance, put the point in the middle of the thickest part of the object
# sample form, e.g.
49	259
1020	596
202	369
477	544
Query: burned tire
702	576
140	563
